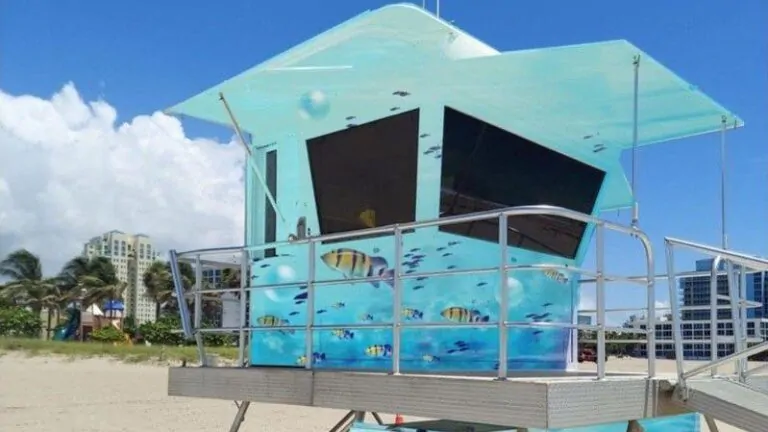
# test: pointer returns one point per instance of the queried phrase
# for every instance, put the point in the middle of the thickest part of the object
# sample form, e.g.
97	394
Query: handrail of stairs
741	352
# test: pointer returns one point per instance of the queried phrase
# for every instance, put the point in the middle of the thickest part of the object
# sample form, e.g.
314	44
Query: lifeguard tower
419	207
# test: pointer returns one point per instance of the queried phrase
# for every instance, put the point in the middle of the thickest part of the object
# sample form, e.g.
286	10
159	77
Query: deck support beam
242	409
635	426
711	424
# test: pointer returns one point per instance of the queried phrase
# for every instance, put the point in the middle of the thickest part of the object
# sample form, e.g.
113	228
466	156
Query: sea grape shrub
17	321
108	334
167	331
164	331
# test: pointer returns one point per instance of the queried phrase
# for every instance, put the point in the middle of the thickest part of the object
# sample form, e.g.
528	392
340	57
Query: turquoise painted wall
550	297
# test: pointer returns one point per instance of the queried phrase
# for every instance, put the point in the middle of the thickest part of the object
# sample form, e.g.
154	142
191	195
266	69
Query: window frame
545	246
409	144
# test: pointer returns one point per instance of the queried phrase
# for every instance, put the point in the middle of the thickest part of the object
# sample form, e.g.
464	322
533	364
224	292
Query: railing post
179	290
309	337
244	284
600	300
198	308
503	297
397	301
743	320
735	321
714	311
677	333
650	335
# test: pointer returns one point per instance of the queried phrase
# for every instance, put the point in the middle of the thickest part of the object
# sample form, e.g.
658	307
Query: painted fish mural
464	315
556	276
384	350
355	318
354	264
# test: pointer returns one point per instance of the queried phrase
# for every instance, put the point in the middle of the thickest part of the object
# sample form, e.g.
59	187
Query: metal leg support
711	424
377	417
343	424
240	416
634	426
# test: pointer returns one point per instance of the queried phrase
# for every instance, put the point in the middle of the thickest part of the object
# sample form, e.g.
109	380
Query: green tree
100	292
28	286
76	268
17	321
159	283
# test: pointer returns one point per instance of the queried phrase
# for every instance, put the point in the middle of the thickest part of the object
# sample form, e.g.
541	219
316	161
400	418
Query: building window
365	176
486	168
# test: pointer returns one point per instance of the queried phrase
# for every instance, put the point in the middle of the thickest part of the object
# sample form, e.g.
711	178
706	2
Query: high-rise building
131	255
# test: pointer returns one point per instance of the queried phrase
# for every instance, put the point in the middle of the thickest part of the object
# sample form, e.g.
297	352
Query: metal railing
195	330
737	266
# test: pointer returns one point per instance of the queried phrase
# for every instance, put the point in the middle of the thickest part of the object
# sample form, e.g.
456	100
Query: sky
83	148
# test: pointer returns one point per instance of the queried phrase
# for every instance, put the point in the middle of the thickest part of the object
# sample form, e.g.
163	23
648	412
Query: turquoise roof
574	99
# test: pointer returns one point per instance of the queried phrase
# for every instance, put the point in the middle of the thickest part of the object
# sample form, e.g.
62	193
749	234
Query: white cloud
662	309
68	173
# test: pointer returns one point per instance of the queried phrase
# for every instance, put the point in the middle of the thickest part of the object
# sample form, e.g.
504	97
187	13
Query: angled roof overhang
575	99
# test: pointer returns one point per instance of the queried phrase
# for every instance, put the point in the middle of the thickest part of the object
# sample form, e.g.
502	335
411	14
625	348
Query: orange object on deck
399	419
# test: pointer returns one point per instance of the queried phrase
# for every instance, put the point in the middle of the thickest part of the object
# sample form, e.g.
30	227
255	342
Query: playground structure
420	247
81	323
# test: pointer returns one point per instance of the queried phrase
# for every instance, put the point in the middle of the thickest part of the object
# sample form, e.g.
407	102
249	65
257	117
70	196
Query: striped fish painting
354	264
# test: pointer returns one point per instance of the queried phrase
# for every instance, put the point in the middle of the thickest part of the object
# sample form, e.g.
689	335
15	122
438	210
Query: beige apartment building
131	255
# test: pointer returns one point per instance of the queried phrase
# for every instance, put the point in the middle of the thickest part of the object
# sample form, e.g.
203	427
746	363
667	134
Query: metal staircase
739	399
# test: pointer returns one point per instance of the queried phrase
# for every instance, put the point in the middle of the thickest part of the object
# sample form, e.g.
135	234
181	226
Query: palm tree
98	291
159	282
28	287
76	268
230	278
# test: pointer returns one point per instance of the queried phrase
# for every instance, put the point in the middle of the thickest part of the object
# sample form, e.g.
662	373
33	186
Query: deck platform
567	400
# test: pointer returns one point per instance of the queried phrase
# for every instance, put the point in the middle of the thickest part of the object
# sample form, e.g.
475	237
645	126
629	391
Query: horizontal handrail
662	276
745	260
747	352
416	275
418	325
540	210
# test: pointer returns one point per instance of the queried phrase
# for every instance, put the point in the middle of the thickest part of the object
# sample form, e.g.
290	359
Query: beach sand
89	395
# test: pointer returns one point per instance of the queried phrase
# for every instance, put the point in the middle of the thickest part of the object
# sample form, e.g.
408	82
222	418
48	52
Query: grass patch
126	353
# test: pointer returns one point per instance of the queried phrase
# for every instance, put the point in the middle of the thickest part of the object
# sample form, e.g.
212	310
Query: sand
49	393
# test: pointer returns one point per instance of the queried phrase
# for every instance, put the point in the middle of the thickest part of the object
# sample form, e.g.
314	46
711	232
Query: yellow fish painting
273	321
354	264
464	315
379	350
556	276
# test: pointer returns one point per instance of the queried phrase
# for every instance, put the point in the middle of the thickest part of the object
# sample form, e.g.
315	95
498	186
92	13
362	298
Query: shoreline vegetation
124	353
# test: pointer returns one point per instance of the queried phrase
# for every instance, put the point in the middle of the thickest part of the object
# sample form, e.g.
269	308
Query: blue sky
142	56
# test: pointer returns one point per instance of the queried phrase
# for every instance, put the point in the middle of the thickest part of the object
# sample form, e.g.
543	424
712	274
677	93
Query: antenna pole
249	154
437	8
723	128
635	206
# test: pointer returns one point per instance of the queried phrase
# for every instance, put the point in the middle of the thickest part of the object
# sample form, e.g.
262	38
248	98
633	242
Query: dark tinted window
485	168
365	176
270	222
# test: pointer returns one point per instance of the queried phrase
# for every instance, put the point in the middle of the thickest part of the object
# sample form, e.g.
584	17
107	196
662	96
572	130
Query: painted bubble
285	273
314	105
516	292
